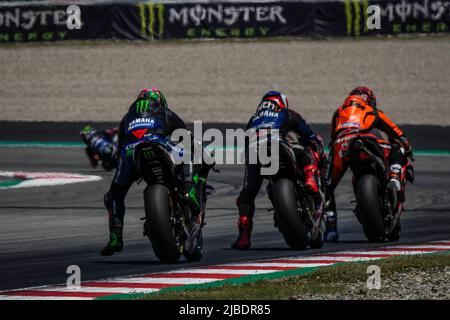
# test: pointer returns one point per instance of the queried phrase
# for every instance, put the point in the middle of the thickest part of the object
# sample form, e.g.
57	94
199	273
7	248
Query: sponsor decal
31	24
152	20
139	133
355	11
209	20
267	104
351	124
401	16
29	19
228	15
223	21
266	114
19	179
141	122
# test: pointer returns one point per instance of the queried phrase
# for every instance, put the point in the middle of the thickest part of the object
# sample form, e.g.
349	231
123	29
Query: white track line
331	257
183	281
388	253
118	290
218	270
278	264
426	246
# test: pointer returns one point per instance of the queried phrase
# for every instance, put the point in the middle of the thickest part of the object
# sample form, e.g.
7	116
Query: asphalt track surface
43	230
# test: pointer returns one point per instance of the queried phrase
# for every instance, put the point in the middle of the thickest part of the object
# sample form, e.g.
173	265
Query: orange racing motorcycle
379	204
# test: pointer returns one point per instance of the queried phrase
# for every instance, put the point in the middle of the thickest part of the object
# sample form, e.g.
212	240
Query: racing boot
245	225
331	233
115	244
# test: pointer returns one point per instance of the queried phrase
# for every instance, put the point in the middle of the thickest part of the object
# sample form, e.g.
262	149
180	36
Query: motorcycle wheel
160	227
197	254
289	221
369	209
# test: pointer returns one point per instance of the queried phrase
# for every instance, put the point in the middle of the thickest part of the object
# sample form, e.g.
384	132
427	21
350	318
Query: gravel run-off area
222	81
414	284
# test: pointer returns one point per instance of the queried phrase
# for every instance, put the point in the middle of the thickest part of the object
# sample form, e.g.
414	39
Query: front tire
369	208
289	220
160	227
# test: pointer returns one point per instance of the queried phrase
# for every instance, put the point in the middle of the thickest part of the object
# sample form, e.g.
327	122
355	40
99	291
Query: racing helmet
155	97
366	94
277	97
87	133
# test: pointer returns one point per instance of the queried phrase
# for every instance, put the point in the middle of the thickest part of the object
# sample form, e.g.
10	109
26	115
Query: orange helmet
366	94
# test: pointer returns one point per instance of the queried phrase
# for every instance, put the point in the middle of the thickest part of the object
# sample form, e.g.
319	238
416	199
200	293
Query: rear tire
160	228
369	209
289	221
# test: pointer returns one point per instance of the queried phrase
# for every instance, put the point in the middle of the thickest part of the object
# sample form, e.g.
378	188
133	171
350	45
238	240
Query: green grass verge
324	280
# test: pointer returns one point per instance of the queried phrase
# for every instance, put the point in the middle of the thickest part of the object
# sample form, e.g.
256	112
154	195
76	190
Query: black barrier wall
148	21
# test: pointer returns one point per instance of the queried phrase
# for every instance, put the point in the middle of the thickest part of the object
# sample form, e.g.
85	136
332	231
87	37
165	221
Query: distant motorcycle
172	228
378	205
294	209
101	146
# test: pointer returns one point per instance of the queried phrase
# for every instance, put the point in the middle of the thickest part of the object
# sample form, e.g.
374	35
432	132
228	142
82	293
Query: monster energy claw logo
152	20
353	10
142	106
148	154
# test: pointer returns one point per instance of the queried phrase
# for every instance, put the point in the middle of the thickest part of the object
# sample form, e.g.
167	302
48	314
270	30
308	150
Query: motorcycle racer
359	114
100	146
149	114
273	112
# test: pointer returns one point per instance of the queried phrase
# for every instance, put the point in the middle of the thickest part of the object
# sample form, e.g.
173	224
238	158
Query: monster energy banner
50	22
399	16
164	20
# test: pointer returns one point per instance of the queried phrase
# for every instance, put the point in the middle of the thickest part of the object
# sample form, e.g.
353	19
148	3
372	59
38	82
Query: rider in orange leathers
358	115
